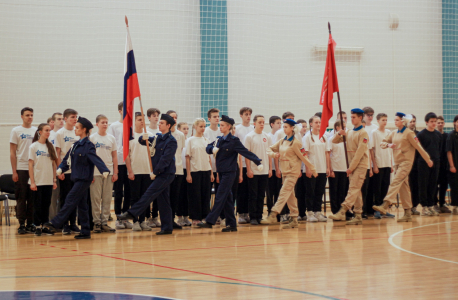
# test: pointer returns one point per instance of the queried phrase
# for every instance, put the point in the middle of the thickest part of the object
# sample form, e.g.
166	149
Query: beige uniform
404	154
357	141
290	165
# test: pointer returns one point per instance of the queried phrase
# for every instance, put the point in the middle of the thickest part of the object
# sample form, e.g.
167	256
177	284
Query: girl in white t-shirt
182	209
338	180
42	171
318	155
199	174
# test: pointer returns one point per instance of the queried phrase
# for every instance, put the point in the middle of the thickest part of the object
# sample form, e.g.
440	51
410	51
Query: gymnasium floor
382	259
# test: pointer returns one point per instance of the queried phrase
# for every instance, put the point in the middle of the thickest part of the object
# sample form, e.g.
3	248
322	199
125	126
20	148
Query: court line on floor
189	280
390	240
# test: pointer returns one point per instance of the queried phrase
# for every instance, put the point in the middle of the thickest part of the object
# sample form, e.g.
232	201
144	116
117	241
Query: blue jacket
226	158
83	158
164	158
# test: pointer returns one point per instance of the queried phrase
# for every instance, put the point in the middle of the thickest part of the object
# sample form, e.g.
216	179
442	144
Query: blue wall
450	58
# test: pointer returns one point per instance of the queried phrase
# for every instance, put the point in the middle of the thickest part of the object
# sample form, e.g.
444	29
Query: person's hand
328	172
249	173
33	187
105	174
15	177
277	155
308	173
453	169
333	175
61	176
342	132
114	178
270	173
240	179
430	164
93	180
392	146
392	169
152	176
145	136
212	177
315	174
375	169
349	172
58	172
131	176
189	179
300	174
260	168
215	150
217	177
371	173
54	186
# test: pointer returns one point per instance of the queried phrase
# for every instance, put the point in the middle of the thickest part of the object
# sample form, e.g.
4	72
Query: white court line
390	240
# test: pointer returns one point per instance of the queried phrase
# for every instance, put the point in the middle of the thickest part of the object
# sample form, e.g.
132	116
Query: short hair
152	111
171	112
430	116
319	114
301	121
100	117
120	105
137	114
358	114
381	115
256	117
179	125
368	110
56	114
26	109
337	123
49	120
286	114
212	110
69	111
454	121
245	109
440	118
273	119
363	121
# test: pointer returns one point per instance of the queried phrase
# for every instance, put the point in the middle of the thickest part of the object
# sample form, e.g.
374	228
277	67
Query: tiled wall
449	58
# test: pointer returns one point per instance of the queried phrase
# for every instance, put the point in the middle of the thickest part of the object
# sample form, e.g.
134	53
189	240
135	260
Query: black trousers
66	186
300	190
314	191
242	194
413	183
442	184
256	193
138	187
235	189
41	201
199	195
175	190
370	195
364	189
272	190
427	182
182	207
24	200
122	190
338	189
224	200
453	181
381	185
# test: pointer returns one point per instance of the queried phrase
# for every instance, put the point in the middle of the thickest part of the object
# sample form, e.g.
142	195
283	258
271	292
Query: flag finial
127	22
329	27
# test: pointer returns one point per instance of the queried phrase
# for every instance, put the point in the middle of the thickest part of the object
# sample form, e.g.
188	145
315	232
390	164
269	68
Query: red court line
27	258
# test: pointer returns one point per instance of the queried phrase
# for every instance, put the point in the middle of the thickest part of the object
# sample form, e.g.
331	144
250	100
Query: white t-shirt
52	137
104	147
115	130
280	134
383	157
139	160
241	132
183	155
153	131
370	128
211	135
179	136
195	149
258	144
42	164
22	137
64	140
273	138
337	153
316	151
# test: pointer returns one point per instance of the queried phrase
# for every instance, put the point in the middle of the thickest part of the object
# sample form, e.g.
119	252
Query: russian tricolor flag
131	91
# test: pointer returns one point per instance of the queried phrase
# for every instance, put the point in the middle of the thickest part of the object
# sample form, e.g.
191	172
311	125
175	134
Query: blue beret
226	119
357	111
290	122
86	123
170	120
400	114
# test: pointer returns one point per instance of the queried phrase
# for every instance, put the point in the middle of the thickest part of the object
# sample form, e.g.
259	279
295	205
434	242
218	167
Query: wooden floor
382	259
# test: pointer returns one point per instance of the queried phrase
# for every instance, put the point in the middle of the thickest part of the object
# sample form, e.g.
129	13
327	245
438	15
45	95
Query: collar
289	139
84	141
165	136
358	128
225	137
402	130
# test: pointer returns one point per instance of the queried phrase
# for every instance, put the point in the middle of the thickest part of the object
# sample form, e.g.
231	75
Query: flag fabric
131	91
330	86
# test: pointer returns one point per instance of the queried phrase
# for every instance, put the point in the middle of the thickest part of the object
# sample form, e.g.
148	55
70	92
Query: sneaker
82	236
30	228
437	208
38	232
46	231
120	225
299	218
303	219
127	224
445	210
66	230
364	217
195	223
75	229
388	215
455	210
247	218
242	219
218	221
284	219
176	226
433	211
426	212
97	228
254	222
311	217
156	222
137	227
415	212
320	217
151	223
106	228
144	226
180	221
377	215
186	222
223	223
110	218
21	229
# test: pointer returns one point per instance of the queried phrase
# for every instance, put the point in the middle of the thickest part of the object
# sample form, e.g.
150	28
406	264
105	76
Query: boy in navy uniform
163	174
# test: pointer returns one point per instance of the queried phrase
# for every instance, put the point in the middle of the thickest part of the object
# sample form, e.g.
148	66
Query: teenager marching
413	176
274	183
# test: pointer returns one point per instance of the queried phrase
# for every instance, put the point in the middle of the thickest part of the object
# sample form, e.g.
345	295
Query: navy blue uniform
164	168
83	159
226	166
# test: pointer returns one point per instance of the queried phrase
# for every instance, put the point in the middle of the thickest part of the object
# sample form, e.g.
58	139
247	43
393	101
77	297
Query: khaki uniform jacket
357	141
406	142
290	157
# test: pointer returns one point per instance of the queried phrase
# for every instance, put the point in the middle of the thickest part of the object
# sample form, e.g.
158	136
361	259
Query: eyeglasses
370	115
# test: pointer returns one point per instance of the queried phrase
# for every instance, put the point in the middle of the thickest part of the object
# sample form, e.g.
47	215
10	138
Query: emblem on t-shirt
365	141
41	153
102	146
25	136
264	139
68	139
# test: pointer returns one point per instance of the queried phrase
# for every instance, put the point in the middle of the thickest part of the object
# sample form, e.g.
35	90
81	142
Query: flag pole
341	119
143	117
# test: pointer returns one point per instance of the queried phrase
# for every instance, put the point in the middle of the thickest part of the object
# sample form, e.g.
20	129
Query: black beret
168	118
86	123
226	119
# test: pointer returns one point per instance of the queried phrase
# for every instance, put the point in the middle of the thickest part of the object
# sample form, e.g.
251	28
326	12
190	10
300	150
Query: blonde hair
196	122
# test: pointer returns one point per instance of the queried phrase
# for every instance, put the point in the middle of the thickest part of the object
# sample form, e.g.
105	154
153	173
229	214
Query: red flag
330	86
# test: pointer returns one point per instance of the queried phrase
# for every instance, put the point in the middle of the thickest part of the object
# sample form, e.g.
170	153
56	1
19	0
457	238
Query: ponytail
51	150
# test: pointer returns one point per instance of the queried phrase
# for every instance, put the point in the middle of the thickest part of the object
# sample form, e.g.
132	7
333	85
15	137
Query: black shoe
229	229
110	218
162	232
97	228
75	229
49	228
364	217
47	231
82	236
30	228
176	226
38	232
205	225
21	229
66	230
125	216
259	221
254	222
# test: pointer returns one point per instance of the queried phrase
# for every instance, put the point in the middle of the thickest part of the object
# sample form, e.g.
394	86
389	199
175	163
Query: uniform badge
264	139
365	141
416	139
303	152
